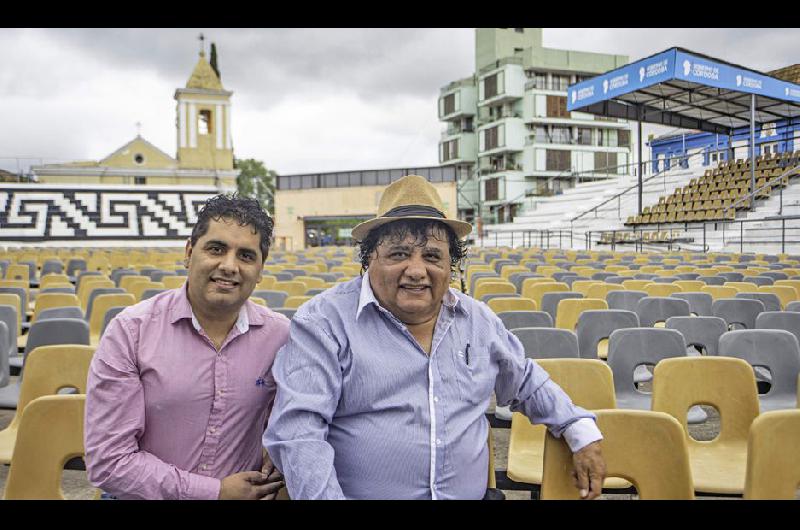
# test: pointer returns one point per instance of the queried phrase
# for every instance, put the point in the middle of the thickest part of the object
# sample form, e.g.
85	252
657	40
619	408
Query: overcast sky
304	99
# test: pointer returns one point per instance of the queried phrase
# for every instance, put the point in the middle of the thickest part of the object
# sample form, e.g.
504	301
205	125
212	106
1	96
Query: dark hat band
414	210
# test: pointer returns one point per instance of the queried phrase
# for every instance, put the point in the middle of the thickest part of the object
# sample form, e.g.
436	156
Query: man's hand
590	470
249	485
273	475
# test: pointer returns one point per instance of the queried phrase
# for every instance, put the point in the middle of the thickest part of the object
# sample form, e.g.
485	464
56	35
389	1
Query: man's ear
188	253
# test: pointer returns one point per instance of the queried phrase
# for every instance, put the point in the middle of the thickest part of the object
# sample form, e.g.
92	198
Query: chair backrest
126	281
655	309
60	312
525	319
738	312
718	291
272	298
773	466
286	311
785	320
50	434
742	287
661	289
293	302
760	280
713	281
771	301
94	293
596	325
5	343
109	316
625	300
56	331
785	293
646	448
724	383
699	303
600	290
629	348
50	300
535	291
690	285
700	331
149	293
173	282
51	279
90	284
550	301
505	303
548	343
635	285
101	304
569	310
10	315
140	287
777	350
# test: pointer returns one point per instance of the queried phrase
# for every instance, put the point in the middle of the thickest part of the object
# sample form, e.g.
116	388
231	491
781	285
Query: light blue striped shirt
362	411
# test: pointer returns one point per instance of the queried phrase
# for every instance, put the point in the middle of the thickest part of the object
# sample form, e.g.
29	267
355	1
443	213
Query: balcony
501	85
458	103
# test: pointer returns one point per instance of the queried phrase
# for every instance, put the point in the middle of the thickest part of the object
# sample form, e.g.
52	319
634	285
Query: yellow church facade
204	146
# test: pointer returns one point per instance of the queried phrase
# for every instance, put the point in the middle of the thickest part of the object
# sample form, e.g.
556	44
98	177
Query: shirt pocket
476	379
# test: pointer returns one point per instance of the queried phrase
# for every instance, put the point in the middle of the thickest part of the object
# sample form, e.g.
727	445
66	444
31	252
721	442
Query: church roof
204	77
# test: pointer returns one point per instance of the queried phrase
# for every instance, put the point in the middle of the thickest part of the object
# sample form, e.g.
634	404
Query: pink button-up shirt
167	415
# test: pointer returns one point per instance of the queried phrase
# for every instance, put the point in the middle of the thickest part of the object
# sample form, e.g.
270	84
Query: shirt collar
183	309
367	296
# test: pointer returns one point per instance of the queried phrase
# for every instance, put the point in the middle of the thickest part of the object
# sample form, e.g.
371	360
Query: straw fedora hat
411	197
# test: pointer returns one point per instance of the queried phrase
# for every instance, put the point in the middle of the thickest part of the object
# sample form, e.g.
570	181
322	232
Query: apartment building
508	133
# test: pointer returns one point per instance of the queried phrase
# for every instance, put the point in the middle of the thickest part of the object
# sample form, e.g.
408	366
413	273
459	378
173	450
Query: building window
449	104
140	180
490	86
561	135
139	158
605	162
557	107
558	160
449	150
560	82
519	30
490	138
623	138
204	122
491	189
518	50
540	80
584	136
541	135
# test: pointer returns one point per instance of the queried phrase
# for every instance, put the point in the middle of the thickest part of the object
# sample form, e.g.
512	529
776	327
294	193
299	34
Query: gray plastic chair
775	349
602	276
485	298
732	276
652	309
5	368
481	275
52	266
159	275
699	331
598	324
525	319
792	306
666	279
286	311
720	259
109	316
295	272
631	348
97	292
644	276
117	274
324	276
761	280
559	276
149	293
699	303
688	276
74	266
70	290
625	300
550	301
570	279
83	274
775	275
771	259
616	279
60	312
518	277
738	312
785	320
548	343
8	315
23	297
713	280
272	298
283	276
315	291
771	301
181	272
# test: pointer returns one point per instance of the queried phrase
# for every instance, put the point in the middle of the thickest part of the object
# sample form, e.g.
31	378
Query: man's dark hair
243	210
419	229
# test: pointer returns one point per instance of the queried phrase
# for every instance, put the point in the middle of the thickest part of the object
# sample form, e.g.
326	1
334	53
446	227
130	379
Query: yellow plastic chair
535	291
88	283
293	302
718	291
649	269
570	309
498	305
51	279
582	286
257	300
51	300
773	464
50	434
48	369
727	384
707	272
486	279
789	283
507	270
14	301
661	289
785	293
644	447
601	290
101	304
635	285
742	287
128	281
266	283
500	287
689	286
310	282
138	288
18	271
290	287
589	383
173	282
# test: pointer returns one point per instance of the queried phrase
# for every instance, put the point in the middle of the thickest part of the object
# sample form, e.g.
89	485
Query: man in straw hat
383	384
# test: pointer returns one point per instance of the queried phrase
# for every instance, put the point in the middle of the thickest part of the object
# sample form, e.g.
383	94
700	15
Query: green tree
256	181
213	60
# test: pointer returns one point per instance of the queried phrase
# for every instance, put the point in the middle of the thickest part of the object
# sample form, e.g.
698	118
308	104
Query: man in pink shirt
181	387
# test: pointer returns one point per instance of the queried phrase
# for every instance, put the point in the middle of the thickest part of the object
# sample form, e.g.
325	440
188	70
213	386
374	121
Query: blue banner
675	64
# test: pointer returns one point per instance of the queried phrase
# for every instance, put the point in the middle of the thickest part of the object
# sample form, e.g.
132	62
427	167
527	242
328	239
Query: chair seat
720	470
9	396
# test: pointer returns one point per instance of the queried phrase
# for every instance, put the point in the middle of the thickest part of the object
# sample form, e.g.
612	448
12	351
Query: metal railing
542	238
619	195
768	183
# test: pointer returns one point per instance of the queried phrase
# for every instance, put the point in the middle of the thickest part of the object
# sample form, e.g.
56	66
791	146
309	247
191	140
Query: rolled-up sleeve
115	421
527	388
308	375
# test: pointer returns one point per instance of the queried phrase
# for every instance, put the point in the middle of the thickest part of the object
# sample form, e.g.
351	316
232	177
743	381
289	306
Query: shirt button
438	441
212	430
436	399
205	467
